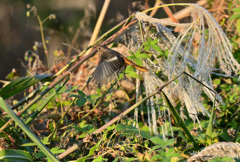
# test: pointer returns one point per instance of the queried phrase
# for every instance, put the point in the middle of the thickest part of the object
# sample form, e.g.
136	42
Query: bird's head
101	48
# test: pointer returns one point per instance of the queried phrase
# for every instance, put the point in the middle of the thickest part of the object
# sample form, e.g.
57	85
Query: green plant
74	117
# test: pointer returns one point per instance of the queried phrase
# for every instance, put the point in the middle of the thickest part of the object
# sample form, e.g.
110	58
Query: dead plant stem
42	37
59	78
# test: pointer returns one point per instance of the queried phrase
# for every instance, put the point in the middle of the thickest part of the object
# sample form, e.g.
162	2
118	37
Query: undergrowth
61	113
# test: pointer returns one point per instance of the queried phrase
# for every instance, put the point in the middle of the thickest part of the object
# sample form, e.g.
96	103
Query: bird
110	65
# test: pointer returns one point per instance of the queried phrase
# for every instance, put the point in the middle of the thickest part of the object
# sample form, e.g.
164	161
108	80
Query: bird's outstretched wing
108	68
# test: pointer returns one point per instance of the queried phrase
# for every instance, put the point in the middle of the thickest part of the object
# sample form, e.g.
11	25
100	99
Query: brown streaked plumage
111	63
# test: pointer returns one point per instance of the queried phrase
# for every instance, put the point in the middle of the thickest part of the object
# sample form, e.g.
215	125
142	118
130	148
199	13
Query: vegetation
61	118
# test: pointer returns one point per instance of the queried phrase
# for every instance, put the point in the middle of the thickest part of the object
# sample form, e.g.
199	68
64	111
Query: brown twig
185	12
170	14
73	41
157	3
42	36
96	29
99	21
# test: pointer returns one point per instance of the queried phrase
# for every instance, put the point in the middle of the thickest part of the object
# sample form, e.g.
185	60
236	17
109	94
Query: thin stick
42	36
99	21
170	14
157	3
185	12
98	24
71	46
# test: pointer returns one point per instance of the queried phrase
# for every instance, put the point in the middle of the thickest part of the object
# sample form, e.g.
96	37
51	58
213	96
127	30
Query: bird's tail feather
143	69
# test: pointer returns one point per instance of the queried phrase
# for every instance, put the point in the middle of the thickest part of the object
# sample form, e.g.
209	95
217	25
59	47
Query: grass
78	125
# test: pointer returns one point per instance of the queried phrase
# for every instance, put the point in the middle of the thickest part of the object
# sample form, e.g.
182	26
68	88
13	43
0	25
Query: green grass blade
46	101
210	125
29	133
179	120
40	108
21	84
15	155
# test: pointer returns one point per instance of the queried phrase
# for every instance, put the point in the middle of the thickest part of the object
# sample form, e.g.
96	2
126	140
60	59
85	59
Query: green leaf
149	40
236	9
109	97
81	93
131	57
116	160
120	76
217	159
111	127
235	16
157	157
91	152
166	53
29	133
15	156
138	61
179	121
145	44
21	84
170	142
69	89
40	154
157	48
130	159
210	125
217	81
169	152
131	53
156	147
158	141
144	55
155	41
166	159
57	150
238	25
132	74
92	98
62	90
120	127
174	154
147	48
81	101
45	141
129	69
74	96
138	52
131	129
99	159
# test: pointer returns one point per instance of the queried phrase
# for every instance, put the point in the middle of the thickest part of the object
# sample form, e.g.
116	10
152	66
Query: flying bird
110	65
